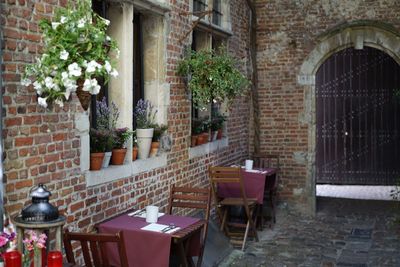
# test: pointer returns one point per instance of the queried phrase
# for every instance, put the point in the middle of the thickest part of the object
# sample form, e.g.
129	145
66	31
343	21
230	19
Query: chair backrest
192	198
93	247
266	161
222	175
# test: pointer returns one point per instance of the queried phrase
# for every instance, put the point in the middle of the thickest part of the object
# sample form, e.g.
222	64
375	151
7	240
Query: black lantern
40	210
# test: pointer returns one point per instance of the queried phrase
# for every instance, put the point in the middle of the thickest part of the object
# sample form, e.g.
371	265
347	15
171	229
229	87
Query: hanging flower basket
77	53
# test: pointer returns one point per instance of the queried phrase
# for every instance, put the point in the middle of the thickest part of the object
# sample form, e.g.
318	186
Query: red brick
23	141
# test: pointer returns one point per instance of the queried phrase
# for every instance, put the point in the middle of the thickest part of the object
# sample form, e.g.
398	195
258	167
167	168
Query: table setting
148	236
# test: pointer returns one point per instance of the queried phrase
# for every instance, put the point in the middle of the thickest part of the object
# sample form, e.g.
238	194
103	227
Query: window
138	83
217	12
199	5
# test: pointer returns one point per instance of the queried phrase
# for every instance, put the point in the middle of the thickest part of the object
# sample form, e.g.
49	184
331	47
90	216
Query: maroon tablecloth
254	184
144	248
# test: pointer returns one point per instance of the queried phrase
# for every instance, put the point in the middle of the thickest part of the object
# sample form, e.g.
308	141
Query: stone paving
353	233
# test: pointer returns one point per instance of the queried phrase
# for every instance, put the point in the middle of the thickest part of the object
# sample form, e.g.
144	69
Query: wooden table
148	248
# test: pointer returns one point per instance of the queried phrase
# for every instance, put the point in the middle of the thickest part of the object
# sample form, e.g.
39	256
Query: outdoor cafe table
254	184
147	248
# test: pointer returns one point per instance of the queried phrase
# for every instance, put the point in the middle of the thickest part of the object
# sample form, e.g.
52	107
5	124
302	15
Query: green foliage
217	121
100	140
159	130
200	126
121	135
211	76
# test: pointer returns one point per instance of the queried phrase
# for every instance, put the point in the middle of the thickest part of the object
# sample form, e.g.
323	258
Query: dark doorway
358	118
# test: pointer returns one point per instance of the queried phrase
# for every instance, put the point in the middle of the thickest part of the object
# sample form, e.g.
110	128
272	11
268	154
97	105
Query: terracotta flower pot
154	148
96	161
193	140
134	153
206	137
118	156
202	139
219	134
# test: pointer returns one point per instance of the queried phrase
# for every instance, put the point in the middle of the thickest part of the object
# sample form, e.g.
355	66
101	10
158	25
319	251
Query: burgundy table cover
254	184
146	248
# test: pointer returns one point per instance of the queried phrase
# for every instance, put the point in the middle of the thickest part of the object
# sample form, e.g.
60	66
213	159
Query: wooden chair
93	248
271	186
223	175
192	198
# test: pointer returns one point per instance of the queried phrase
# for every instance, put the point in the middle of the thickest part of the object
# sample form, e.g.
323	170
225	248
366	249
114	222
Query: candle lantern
40	210
40	216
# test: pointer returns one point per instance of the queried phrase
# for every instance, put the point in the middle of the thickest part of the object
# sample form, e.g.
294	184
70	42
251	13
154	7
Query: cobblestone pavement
354	233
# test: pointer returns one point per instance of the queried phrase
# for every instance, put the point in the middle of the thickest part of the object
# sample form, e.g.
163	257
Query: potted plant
145	117
197	129
98	140
212	76
75	56
206	128
216	125
106	120
159	130
121	135
134	146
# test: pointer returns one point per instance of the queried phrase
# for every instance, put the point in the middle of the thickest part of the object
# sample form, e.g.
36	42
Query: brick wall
287	32
43	146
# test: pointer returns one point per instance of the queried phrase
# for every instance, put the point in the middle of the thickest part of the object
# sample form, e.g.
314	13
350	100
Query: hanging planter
213	76
75	56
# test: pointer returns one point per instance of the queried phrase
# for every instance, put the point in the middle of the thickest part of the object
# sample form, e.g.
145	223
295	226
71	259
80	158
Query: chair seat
232	201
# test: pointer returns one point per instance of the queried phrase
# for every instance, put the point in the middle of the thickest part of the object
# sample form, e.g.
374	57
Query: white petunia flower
38	87
108	38
91	86
59	102
54	25
48	81
63	19
81	23
67	94
91	66
26	82
107	66
106	21
114	73
74	70
64	55
42	101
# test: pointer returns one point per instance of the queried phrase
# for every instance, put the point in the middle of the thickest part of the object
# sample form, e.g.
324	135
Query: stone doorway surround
355	34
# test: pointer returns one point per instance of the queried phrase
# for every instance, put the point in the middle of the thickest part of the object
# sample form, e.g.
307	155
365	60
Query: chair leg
272	198
245	234
252	225
224	219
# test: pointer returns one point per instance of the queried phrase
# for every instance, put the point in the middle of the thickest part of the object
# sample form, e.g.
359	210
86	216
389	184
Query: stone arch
356	34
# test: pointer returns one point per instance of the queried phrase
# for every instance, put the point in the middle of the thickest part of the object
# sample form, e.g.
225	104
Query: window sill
114	172
208	148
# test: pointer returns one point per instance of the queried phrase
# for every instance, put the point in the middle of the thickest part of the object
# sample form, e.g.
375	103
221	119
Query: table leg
59	238
20	235
182	254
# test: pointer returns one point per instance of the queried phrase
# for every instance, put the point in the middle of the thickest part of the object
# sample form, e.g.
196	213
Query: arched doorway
358	34
357	118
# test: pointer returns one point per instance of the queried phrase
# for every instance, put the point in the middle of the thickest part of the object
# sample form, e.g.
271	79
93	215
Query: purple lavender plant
107	116
144	114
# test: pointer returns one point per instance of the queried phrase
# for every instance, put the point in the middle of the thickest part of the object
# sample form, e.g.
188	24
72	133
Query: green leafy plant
212	75
100	140
121	135
200	125
159	130
217	121
76	48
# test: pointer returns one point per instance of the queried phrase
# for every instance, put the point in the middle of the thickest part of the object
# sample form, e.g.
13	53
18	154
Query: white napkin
140	214
255	171
155	227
